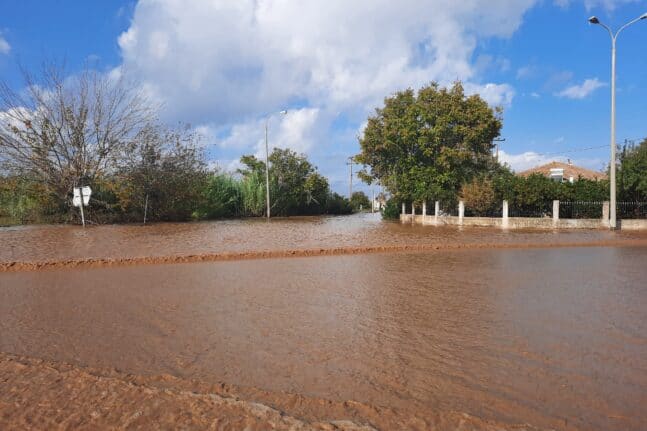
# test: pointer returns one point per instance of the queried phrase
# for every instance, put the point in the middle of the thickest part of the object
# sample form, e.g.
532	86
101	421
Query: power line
577	150
573	150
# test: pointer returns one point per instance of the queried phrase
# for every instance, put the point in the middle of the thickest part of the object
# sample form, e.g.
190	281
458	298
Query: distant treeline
171	183
97	130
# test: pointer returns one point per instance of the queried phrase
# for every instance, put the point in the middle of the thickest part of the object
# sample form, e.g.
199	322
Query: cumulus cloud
494	94
224	65
4	46
296	130
221	61
582	90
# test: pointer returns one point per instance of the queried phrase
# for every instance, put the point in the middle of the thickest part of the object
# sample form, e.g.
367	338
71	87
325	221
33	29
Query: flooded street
551	337
43	243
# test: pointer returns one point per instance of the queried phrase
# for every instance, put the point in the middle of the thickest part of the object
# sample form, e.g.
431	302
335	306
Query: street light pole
497	140
612	167
267	164
350	184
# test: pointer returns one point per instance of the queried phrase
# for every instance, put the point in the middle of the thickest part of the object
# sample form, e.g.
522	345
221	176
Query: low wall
519	222
639	224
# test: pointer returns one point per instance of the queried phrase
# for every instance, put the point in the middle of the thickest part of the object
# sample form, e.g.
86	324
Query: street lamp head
594	20
643	16
285	111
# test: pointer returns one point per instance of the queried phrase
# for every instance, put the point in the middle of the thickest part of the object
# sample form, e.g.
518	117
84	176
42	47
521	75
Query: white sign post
81	198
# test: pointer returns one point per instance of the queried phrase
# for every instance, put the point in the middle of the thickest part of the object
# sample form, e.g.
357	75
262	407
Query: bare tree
162	173
67	130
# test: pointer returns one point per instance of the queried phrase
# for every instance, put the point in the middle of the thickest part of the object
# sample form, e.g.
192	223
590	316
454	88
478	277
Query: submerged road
552	337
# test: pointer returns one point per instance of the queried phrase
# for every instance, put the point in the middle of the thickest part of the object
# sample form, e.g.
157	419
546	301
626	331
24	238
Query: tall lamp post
267	163
612	167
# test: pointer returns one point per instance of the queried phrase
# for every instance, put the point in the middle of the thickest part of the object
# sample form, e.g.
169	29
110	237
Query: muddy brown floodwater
480	329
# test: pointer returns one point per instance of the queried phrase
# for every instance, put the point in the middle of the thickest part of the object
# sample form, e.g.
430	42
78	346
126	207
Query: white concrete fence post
605	212
436	211
461	211
555	212
504	214
404	208
413	210
424	208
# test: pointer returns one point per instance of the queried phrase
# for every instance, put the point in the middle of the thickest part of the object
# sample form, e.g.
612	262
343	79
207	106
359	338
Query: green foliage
223	197
253	194
296	188
632	173
23	201
359	201
424	146
163	175
479	196
337	204
537	191
166	166
392	209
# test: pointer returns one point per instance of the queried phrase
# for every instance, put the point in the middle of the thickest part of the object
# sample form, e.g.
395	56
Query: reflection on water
552	337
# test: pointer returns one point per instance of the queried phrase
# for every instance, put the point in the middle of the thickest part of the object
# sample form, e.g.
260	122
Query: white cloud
530	159
523	161
223	61
295	130
224	64
583	90
494	94
5	48
230	166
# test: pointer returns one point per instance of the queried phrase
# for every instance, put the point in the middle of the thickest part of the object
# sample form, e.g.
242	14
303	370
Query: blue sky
223	65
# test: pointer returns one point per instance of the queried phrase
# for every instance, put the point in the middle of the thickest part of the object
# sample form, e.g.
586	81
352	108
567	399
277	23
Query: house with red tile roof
560	171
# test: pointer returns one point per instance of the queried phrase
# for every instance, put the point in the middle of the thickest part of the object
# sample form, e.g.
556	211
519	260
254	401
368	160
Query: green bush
223	197
337	204
391	209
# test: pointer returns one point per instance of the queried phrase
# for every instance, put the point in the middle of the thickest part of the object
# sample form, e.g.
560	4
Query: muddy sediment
40	394
276	254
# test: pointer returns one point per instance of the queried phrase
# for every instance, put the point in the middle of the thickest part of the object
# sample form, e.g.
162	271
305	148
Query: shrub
479	196
391	209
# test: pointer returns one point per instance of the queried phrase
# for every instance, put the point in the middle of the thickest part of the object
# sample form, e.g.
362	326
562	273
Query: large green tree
425	145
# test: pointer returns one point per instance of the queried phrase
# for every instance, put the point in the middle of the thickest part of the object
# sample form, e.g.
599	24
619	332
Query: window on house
557	174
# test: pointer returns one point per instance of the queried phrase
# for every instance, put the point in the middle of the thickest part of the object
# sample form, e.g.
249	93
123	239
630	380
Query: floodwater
42	243
552	337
